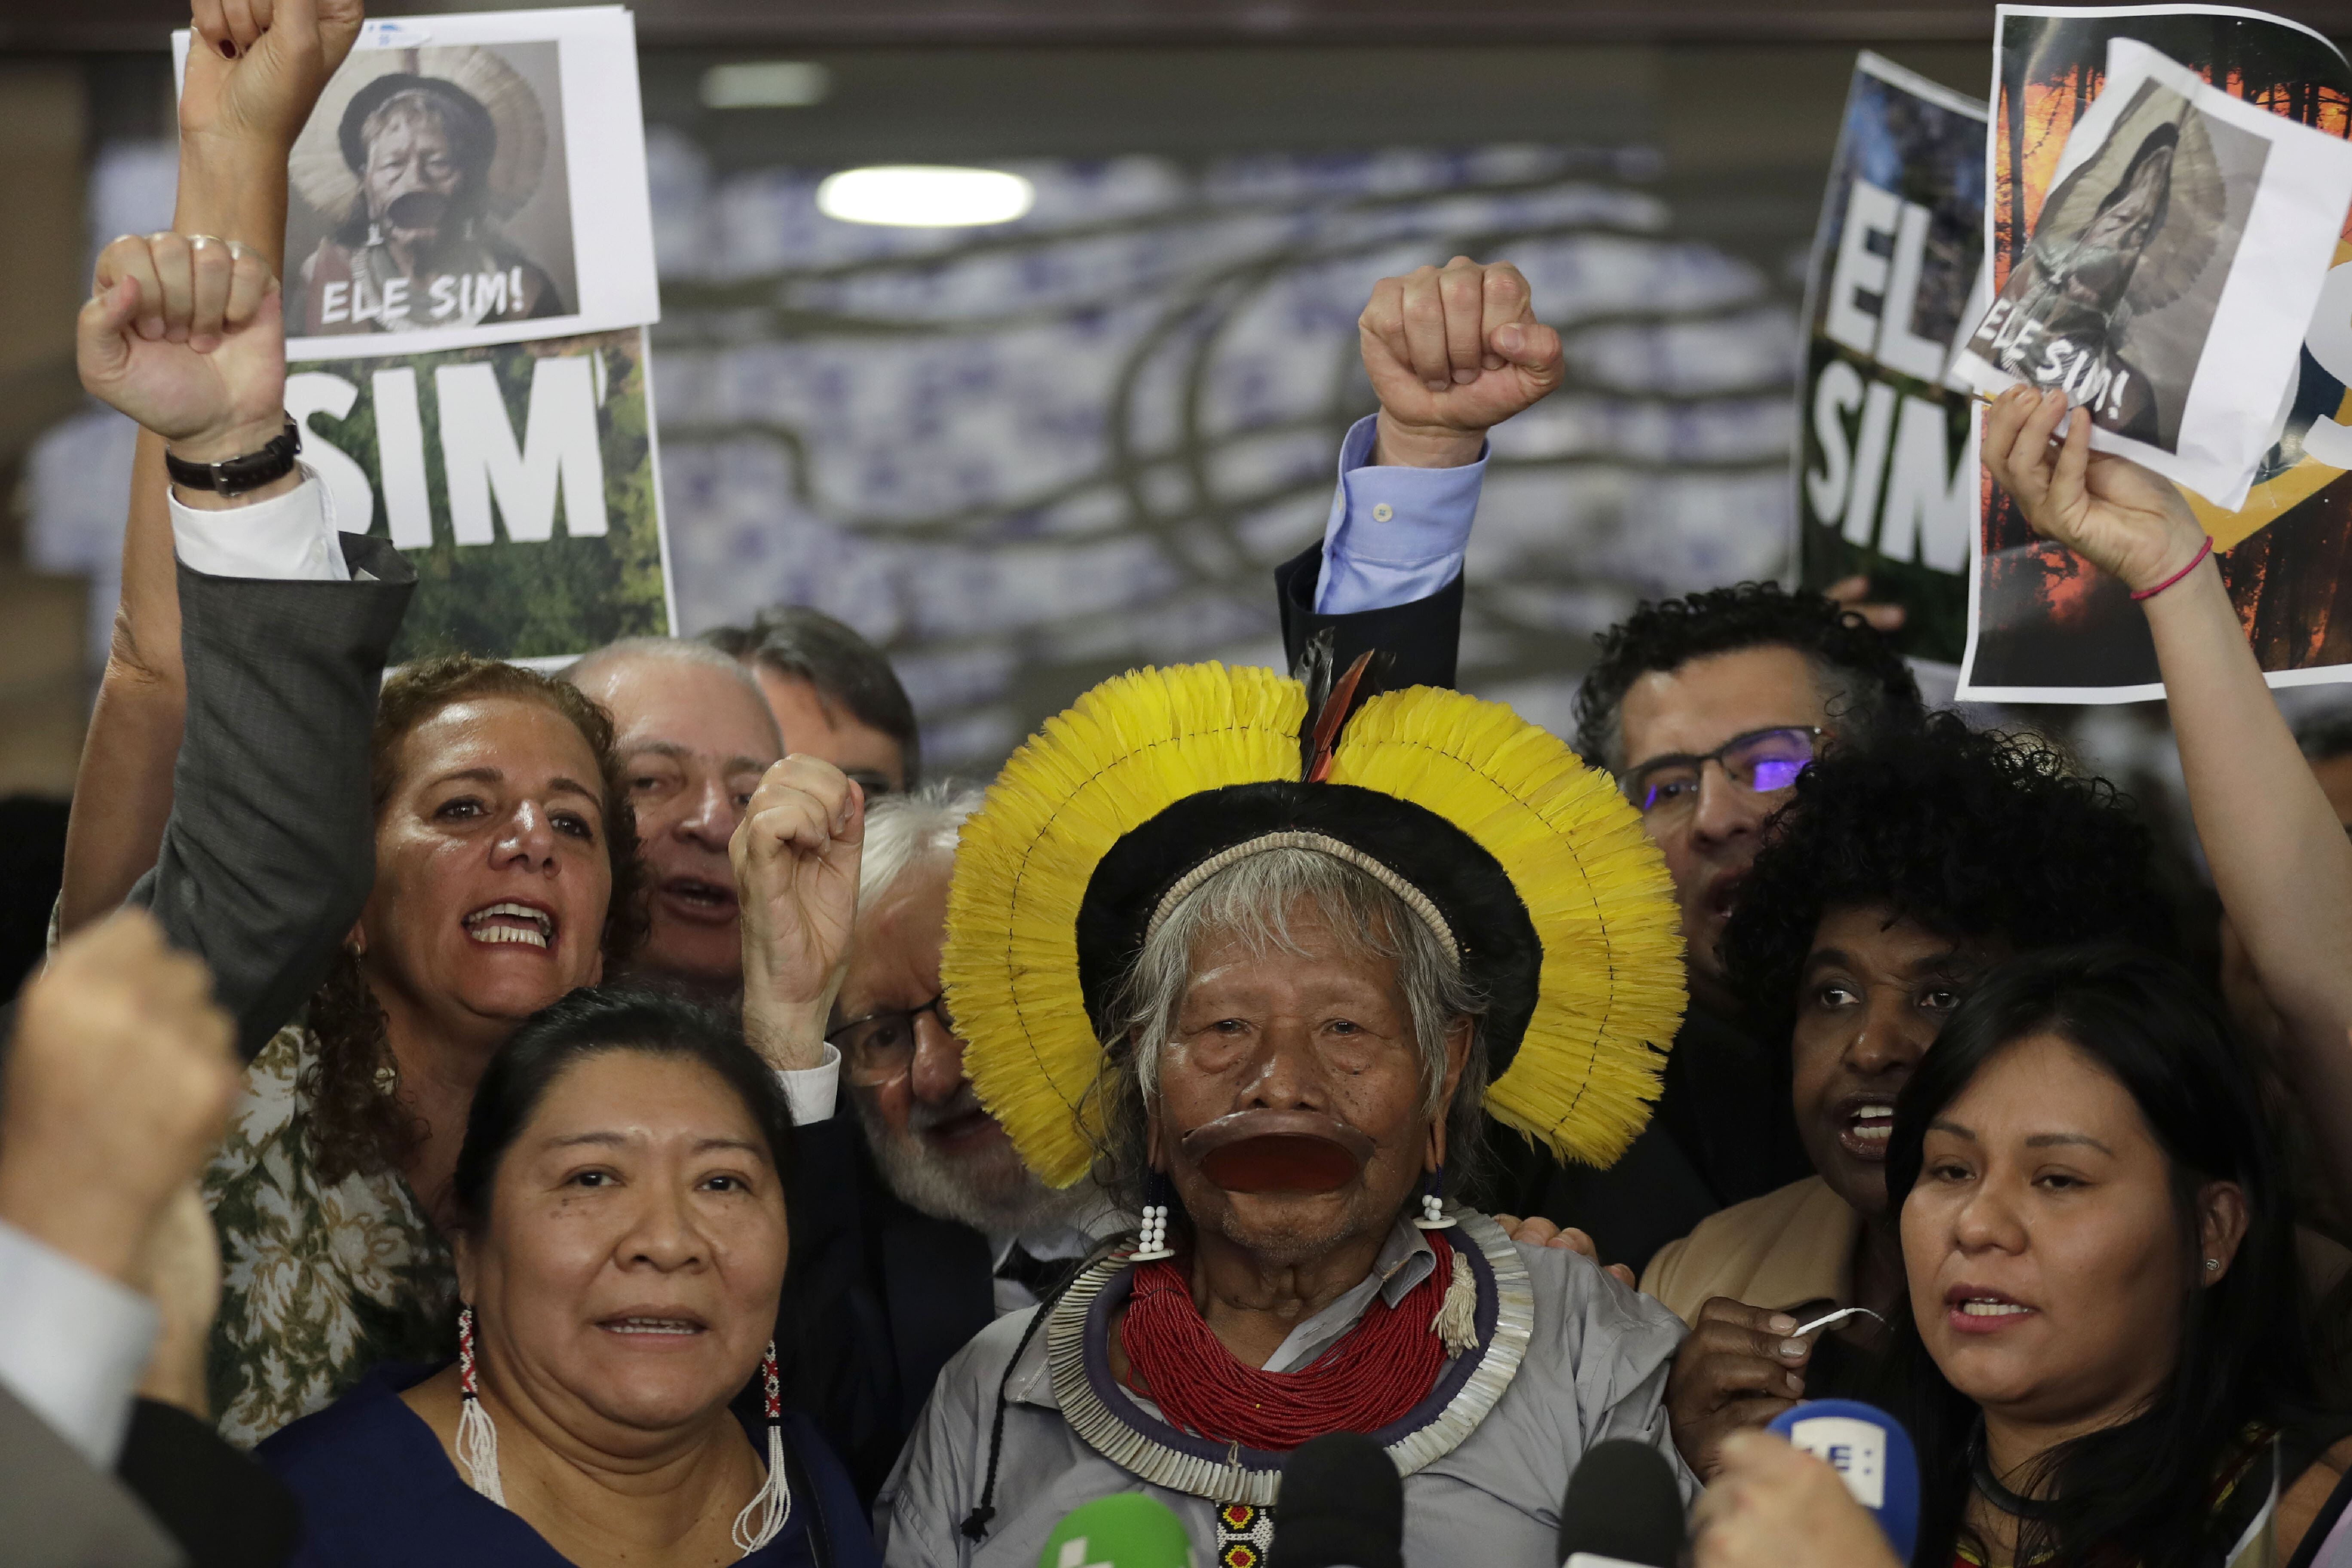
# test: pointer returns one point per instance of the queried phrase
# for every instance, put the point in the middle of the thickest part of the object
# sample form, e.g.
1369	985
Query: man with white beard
903	1062
930	1225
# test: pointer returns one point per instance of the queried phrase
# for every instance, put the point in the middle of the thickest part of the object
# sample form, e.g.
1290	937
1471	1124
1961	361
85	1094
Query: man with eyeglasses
1707	707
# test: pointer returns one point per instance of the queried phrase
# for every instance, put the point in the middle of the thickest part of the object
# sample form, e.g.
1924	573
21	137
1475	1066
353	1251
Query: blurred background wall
1026	456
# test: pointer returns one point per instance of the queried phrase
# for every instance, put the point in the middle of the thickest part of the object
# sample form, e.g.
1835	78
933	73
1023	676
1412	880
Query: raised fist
795	855
118	1080
184	335
258	66
1453	351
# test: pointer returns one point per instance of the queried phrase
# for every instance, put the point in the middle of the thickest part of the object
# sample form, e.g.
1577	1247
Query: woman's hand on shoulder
2125	521
1538	1231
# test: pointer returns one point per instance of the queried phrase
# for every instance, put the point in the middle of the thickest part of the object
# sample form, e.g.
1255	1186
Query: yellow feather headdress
1588	1039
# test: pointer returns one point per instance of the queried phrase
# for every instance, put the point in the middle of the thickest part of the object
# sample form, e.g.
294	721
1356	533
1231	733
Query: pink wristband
2196	561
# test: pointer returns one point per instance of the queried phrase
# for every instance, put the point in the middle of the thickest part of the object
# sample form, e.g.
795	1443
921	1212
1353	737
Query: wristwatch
247	471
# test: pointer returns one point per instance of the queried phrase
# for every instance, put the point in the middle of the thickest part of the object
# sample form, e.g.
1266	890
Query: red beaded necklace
1384	1366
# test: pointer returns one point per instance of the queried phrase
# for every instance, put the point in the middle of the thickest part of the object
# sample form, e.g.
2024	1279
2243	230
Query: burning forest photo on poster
2127	227
2114	300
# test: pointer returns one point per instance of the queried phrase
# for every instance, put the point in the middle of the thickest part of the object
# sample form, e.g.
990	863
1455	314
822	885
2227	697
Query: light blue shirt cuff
1396	534
73	1344
812	1092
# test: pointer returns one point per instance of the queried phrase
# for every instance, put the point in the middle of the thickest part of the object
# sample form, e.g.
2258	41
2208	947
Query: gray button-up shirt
1595	1368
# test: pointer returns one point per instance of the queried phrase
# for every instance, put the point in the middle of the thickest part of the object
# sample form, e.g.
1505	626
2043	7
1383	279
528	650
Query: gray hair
679	650
904	831
1256	901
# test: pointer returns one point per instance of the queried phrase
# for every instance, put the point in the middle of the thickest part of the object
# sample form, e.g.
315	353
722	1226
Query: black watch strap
247	471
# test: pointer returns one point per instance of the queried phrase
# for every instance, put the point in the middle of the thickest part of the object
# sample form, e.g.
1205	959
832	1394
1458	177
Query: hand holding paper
2117	515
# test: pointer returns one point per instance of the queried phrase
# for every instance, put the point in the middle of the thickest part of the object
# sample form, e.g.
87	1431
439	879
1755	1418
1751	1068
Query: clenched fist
118	1080
795	855
184	335
1451	352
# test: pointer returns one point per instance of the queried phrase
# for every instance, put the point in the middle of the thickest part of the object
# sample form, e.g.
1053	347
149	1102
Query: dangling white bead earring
478	1440
771	1505
1433	1204
1152	1245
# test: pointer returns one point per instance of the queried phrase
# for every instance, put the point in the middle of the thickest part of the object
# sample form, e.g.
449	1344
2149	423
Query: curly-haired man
1907	865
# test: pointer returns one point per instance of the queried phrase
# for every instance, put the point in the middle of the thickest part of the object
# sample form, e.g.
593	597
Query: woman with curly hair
1902	869
506	866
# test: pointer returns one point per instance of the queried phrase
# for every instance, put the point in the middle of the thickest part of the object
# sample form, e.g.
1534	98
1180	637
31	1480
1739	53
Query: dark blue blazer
377	1487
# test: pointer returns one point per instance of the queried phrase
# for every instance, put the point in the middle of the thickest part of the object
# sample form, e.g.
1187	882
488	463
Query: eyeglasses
1762	762
881	1046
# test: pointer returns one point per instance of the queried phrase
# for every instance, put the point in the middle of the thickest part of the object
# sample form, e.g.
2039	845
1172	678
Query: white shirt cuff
289	538
812	1092
73	1344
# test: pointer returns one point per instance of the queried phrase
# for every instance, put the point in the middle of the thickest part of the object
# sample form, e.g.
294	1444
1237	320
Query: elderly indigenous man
1261	984
694	736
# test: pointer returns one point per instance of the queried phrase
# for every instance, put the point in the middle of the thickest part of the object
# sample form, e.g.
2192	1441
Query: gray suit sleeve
58	1511
269	851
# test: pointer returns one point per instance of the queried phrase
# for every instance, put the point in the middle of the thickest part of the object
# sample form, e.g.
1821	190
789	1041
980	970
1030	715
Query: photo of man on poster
432	152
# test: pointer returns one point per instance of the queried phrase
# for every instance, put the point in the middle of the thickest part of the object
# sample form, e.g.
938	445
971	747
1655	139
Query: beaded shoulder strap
1110	1423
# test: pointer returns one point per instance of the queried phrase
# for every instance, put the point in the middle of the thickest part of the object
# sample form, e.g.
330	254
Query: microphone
1871	1452
1129	1529
1341	1506
1624	1507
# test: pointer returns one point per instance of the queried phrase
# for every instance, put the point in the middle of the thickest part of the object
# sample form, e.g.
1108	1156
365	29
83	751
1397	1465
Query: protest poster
1886	464
469	271
2171	273
2154	197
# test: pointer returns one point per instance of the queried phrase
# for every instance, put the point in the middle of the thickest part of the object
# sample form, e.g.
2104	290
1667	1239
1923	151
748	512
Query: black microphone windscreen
1343	1503
1623	1502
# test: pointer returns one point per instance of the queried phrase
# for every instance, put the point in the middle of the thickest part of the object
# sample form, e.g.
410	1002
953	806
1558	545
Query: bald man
694	734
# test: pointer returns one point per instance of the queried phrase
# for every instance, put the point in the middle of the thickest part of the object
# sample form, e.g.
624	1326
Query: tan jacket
1788	1247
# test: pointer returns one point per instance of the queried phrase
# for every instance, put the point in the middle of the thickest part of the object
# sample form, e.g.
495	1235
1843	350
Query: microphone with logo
1342	1506
1624	1507
1871	1453
1129	1531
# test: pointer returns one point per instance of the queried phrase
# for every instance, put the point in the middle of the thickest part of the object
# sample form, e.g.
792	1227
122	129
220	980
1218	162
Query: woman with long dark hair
2104	1354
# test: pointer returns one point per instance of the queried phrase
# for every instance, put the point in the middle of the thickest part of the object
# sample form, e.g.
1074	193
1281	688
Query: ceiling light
766	84
917	197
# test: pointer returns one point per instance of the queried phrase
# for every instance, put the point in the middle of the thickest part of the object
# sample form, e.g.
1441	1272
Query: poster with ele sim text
2044	625
469	271
1885	465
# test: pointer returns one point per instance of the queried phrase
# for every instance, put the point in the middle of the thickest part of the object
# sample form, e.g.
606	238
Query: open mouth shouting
1864	1126
531	925
693	899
